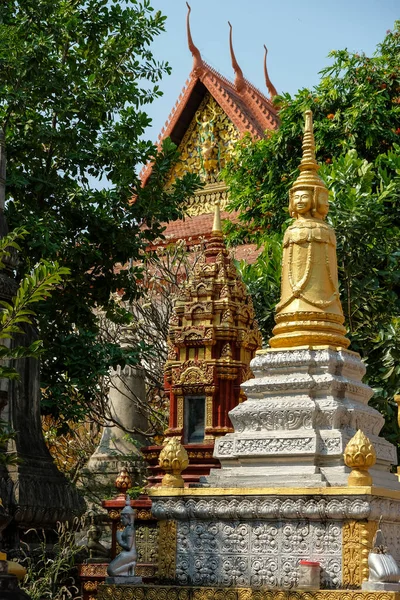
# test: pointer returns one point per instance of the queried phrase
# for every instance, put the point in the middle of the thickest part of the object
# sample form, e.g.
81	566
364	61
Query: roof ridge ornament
198	63
240	83
271	88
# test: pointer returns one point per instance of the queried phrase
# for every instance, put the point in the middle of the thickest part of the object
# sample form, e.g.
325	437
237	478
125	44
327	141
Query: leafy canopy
75	78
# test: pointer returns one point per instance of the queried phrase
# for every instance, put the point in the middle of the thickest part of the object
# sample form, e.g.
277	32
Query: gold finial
123	481
359	455
198	63
308	166
173	460
271	88
309	312
217	227
240	83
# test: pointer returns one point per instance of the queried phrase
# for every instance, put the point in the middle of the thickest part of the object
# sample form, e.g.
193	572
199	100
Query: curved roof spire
240	83
270	86
198	63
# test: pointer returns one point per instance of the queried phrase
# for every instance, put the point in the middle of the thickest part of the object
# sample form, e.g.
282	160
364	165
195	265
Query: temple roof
210	115
246	106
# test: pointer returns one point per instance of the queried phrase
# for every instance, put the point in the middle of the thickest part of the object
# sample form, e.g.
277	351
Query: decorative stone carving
255	553
241	508
304	405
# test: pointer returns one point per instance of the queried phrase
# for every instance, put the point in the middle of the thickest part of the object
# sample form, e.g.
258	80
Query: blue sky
299	36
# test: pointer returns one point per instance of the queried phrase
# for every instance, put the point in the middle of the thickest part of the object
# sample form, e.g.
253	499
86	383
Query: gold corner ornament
173	460
357	543
359	455
167	550
309	311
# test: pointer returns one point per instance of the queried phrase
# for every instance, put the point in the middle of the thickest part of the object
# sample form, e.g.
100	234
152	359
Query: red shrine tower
212	338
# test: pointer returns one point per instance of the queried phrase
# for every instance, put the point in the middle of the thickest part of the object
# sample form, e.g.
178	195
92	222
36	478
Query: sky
298	35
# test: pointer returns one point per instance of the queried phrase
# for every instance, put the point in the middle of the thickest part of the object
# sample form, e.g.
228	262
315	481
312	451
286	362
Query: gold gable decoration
205	149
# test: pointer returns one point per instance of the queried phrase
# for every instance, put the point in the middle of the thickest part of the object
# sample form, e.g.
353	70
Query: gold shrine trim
159	592
287	491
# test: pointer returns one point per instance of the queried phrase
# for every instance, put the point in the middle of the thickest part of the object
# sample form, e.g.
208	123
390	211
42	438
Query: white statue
124	564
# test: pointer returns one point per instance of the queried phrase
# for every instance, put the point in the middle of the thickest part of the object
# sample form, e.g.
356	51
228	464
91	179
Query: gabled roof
248	108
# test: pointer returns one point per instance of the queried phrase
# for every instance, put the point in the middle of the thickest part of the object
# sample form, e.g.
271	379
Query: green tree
356	112
75	77
14	315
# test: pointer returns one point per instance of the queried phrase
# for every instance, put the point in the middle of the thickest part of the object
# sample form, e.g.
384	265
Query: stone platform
163	592
302	407
256	537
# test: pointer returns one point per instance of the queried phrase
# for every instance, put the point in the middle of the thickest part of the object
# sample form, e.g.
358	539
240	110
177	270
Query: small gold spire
173	460
308	165
198	63
240	83
271	88
359	455
217	227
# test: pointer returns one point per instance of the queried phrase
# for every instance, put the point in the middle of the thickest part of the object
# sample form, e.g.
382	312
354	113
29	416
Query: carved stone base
256	538
163	592
302	408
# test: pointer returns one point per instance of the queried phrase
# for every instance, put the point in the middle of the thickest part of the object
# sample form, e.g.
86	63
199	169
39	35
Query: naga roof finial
240	83
198	64
268	83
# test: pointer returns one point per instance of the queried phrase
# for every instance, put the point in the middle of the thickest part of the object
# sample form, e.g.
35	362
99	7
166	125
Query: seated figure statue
124	564
95	547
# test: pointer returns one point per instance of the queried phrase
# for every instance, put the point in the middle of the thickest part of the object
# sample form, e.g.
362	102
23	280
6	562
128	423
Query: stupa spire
309	312
198	63
217	227
240	83
271	88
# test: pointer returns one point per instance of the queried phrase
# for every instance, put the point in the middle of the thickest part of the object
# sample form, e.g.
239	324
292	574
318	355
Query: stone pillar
127	402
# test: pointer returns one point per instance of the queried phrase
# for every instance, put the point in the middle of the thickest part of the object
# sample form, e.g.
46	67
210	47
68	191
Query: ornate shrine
213	336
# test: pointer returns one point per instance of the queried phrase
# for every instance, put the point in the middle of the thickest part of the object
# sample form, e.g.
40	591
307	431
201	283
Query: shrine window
195	411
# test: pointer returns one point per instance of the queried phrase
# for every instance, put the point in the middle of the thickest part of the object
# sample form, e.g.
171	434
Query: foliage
51	575
35	287
70	444
356	110
75	77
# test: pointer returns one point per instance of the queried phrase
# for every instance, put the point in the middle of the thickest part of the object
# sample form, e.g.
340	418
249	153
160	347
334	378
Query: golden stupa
309	312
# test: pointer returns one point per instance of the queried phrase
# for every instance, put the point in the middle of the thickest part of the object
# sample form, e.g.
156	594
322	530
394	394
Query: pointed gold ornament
123	481
309	312
173	460
359	455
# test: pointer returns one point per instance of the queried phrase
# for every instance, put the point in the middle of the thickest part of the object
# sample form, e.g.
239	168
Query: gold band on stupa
309	312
